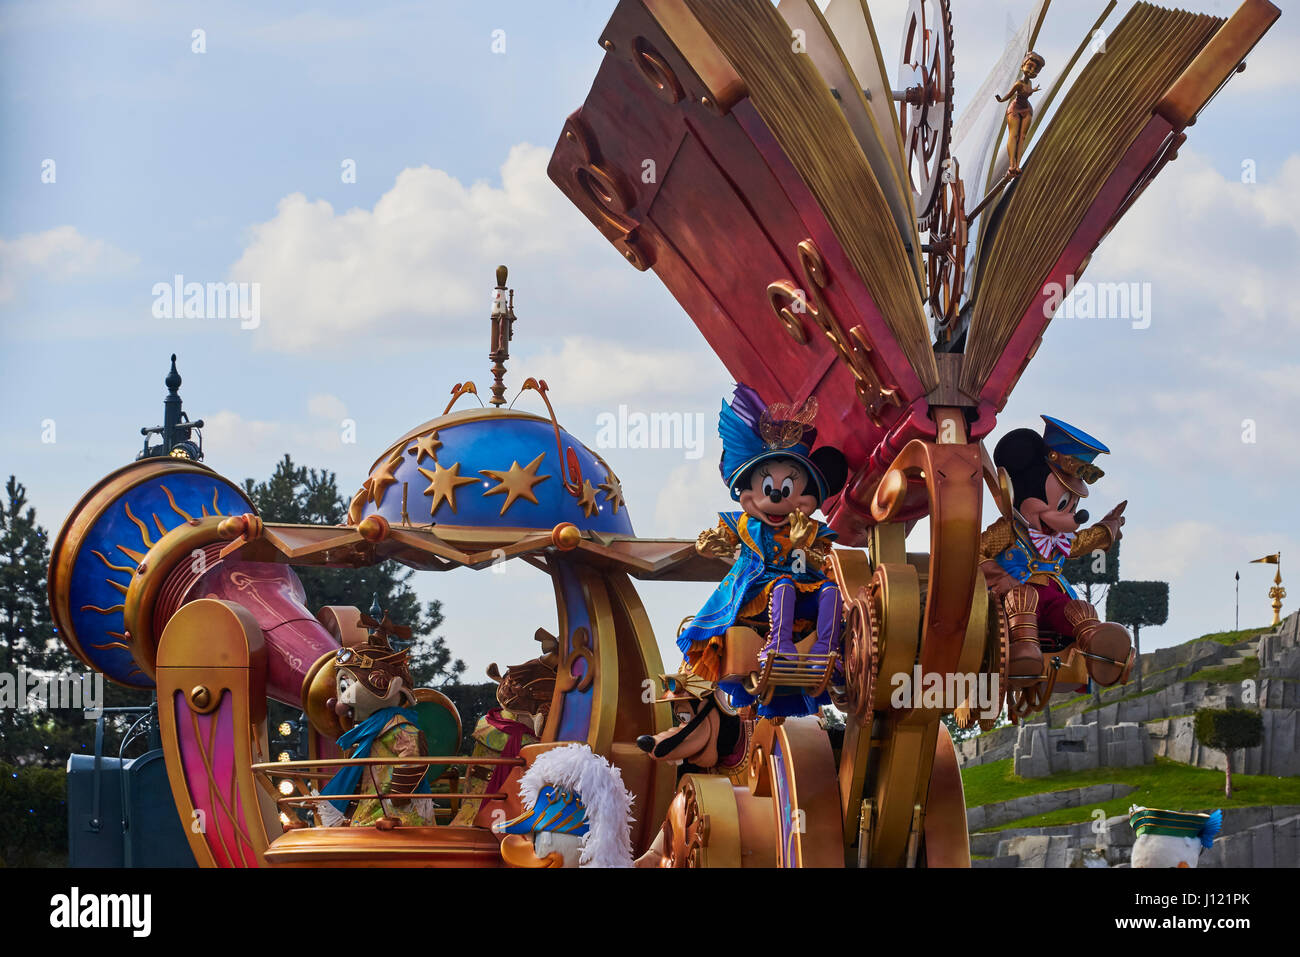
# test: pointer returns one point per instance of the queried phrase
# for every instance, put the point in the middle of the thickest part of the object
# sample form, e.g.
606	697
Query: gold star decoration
359	501
425	445
384	477
588	498
516	482
613	490
442	485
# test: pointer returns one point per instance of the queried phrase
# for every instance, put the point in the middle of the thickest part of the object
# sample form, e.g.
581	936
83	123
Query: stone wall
1279	755
1041	750
1252	837
1003	812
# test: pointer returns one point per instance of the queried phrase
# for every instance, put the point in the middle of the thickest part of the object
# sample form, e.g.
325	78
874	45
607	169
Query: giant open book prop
800	199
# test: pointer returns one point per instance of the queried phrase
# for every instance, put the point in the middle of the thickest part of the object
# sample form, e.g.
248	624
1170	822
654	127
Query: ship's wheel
924	94
945	262
686	828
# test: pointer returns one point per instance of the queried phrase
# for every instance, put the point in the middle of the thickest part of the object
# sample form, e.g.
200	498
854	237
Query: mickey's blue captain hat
1070	454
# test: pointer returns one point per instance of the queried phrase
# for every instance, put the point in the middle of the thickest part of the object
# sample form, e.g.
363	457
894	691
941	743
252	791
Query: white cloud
268	439
1202	238
327	407
418	267
690	498
58	254
585	369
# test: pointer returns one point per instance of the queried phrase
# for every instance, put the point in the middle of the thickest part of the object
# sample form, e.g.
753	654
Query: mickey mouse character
1023	554
778	581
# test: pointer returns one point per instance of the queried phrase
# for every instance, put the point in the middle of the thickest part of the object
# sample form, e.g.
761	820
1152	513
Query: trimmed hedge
33	816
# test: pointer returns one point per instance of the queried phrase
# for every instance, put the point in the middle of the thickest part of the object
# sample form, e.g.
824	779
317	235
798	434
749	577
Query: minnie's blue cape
749	573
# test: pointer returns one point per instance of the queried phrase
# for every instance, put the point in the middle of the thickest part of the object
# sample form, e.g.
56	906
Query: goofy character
707	735
778	581
375	703
1024	554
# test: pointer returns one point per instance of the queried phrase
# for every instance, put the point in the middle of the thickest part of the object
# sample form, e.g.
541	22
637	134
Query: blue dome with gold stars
492	468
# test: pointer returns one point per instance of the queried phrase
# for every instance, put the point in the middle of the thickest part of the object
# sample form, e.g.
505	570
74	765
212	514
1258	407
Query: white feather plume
575	767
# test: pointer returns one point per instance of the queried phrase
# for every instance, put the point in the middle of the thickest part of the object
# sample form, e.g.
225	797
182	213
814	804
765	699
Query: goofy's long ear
834	467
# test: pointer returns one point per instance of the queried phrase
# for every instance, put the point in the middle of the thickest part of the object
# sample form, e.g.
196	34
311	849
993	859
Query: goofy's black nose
646	743
1081	516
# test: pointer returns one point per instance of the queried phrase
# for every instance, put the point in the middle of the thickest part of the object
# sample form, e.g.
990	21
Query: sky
218	143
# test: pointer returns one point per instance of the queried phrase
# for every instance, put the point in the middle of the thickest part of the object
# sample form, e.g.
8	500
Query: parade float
877	273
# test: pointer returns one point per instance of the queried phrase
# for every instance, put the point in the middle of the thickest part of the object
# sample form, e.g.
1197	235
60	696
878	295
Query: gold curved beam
948	477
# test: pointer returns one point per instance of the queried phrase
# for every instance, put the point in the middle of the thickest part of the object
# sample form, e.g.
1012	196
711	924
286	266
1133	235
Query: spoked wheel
862	651
945	262
924	79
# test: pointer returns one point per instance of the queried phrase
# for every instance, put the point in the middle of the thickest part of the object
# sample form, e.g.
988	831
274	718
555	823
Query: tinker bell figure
1020	113
778	582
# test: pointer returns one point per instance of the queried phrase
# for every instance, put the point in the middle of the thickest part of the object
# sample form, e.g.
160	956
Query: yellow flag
1269	559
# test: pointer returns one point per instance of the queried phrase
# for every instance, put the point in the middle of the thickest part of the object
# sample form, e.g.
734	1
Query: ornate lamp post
177	429
1277	592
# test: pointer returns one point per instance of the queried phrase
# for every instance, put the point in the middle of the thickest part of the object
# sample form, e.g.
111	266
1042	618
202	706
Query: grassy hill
1165	784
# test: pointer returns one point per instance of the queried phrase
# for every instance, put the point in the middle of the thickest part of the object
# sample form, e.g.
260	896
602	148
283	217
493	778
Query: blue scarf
363	735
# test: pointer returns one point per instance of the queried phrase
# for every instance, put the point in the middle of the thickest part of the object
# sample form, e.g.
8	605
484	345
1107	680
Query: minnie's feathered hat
754	432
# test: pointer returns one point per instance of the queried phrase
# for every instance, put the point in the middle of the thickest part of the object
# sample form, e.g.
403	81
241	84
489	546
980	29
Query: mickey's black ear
1019	450
833	466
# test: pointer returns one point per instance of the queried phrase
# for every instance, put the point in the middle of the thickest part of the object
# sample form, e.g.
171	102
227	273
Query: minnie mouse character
1024	553
778	581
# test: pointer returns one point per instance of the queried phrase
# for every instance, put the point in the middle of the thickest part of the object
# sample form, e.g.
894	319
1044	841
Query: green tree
29	644
1093	571
299	495
1226	730
33	817
1137	604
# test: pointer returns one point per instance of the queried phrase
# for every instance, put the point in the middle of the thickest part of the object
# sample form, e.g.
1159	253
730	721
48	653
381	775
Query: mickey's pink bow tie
1047	543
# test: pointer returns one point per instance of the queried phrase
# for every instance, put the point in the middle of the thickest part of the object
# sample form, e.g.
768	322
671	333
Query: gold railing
301	774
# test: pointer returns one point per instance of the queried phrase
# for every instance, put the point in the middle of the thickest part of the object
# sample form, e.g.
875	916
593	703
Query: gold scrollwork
783	297
572	648
606	194
852	350
656	71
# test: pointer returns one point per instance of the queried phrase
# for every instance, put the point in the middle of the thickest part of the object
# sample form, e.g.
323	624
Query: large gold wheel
702	827
862	651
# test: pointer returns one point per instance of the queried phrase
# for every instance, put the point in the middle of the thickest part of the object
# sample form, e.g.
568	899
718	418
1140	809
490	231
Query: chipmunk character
524	694
778	581
1023	555
375	702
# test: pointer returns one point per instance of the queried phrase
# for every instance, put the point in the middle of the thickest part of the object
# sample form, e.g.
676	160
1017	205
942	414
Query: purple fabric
829	609
747	404
781	622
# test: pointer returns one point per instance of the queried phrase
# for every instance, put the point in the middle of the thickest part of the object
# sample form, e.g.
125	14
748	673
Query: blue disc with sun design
106	538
